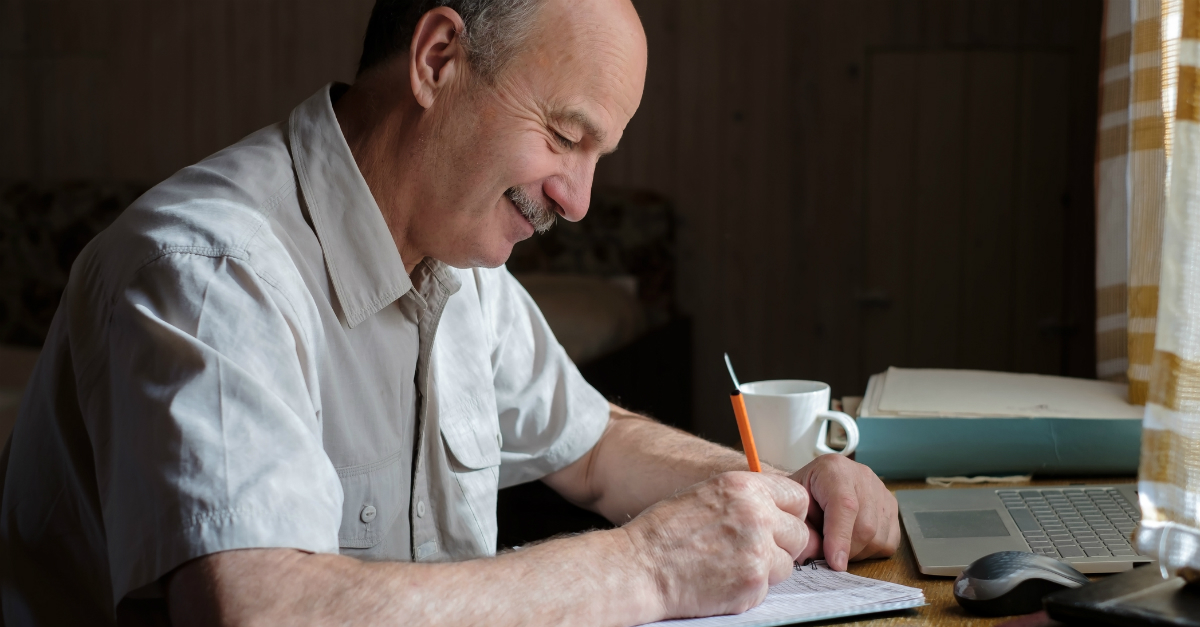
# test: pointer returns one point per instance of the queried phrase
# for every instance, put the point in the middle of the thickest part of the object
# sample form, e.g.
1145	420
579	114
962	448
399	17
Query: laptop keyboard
1074	522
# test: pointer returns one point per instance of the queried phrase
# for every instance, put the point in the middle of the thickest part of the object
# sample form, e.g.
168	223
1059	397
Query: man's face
509	158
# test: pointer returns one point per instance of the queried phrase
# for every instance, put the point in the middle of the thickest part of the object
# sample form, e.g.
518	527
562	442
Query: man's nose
572	193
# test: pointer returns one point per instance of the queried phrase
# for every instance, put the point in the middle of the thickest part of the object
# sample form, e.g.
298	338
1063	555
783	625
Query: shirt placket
424	525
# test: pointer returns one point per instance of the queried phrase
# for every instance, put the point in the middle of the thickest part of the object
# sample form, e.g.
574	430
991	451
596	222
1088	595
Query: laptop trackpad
975	523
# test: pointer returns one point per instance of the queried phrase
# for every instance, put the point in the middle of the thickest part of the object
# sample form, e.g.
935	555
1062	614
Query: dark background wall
136	89
867	183
859	183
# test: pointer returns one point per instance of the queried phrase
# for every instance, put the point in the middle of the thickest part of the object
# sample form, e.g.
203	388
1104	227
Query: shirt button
368	514
499	440
420	509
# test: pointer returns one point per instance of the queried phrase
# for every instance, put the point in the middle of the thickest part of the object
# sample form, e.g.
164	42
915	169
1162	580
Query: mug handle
847	423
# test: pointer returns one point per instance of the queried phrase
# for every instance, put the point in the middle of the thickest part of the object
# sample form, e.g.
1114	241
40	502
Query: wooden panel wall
136	89
966	179
869	183
763	119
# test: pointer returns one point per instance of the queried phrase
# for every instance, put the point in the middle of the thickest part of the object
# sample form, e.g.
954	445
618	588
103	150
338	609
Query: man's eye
563	141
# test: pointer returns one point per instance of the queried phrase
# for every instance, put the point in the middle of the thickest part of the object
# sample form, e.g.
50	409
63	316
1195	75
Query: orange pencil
739	411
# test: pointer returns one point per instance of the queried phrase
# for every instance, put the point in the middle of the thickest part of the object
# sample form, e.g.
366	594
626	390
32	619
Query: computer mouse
1012	582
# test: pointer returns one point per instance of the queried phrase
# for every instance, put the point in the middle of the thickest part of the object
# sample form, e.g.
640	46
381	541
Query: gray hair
494	31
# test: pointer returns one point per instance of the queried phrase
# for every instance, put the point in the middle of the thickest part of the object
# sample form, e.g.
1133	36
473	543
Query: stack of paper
927	393
917	423
814	592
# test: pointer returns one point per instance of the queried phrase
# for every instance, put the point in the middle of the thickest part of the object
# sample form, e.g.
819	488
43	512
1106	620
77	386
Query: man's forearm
594	579
639	462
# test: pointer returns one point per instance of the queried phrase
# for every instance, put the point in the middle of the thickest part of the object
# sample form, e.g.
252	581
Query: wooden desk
902	569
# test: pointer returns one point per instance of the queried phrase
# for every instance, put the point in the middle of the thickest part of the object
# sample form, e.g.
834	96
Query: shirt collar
363	262
435	281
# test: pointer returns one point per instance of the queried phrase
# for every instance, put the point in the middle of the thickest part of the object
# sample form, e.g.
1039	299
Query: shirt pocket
472	447
373	497
471	433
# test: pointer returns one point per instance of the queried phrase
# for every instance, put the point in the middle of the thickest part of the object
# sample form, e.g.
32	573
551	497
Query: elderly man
285	386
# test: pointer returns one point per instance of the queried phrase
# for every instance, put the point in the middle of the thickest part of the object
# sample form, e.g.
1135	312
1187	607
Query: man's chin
489	263
484	259
492	250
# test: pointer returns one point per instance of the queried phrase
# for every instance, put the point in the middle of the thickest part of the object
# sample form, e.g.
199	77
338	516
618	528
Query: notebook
814	592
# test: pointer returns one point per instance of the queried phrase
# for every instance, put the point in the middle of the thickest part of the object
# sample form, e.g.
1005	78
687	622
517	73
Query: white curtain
1132	157
1169	476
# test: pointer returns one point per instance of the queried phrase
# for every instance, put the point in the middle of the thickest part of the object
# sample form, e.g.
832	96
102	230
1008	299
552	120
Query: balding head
494	30
464	168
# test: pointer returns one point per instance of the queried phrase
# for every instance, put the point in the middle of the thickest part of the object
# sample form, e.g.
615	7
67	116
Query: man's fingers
788	495
880	532
791	534
840	516
880	541
852	507
886	546
875	546
781	567
869	530
891	527
892	542
813	548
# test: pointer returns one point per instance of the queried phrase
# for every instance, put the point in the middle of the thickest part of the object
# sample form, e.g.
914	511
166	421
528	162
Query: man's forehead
589	64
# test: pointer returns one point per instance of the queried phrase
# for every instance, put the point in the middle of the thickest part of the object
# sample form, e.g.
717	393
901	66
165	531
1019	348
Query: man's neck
378	127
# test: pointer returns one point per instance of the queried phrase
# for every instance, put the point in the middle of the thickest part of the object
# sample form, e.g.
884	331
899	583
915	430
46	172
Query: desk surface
902	569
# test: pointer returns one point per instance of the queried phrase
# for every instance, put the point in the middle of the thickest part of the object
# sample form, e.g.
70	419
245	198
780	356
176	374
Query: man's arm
711	549
638	462
553	583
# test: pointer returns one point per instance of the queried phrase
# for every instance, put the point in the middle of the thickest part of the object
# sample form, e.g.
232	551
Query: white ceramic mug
790	421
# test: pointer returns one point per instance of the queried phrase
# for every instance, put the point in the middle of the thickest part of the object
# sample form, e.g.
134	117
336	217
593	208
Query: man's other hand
854	511
715	547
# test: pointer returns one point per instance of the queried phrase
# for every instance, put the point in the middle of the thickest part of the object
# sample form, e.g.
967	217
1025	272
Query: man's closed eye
563	141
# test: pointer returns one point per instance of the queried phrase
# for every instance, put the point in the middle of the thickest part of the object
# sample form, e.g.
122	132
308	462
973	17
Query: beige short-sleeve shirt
241	360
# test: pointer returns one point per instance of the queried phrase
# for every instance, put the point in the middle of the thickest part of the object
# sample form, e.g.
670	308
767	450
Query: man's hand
715	547
638	462
853	509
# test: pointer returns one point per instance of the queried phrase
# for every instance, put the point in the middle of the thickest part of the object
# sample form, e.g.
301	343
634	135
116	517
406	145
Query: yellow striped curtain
1169	476
1131	170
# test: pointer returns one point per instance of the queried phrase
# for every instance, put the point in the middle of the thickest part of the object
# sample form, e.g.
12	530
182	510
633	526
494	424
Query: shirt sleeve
207	434
549	415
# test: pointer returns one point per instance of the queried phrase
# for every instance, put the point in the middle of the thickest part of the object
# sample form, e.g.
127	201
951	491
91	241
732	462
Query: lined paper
814	592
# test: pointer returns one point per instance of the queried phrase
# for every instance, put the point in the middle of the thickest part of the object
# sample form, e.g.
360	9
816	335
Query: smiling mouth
521	213
539	216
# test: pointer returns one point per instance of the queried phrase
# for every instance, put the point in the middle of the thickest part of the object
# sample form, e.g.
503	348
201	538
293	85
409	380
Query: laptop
1085	526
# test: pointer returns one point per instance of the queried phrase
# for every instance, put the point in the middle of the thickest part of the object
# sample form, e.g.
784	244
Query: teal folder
914	447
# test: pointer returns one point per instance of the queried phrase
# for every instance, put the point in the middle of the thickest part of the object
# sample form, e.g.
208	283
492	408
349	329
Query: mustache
541	215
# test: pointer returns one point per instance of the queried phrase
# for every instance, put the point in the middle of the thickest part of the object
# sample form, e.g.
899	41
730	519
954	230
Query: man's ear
436	55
